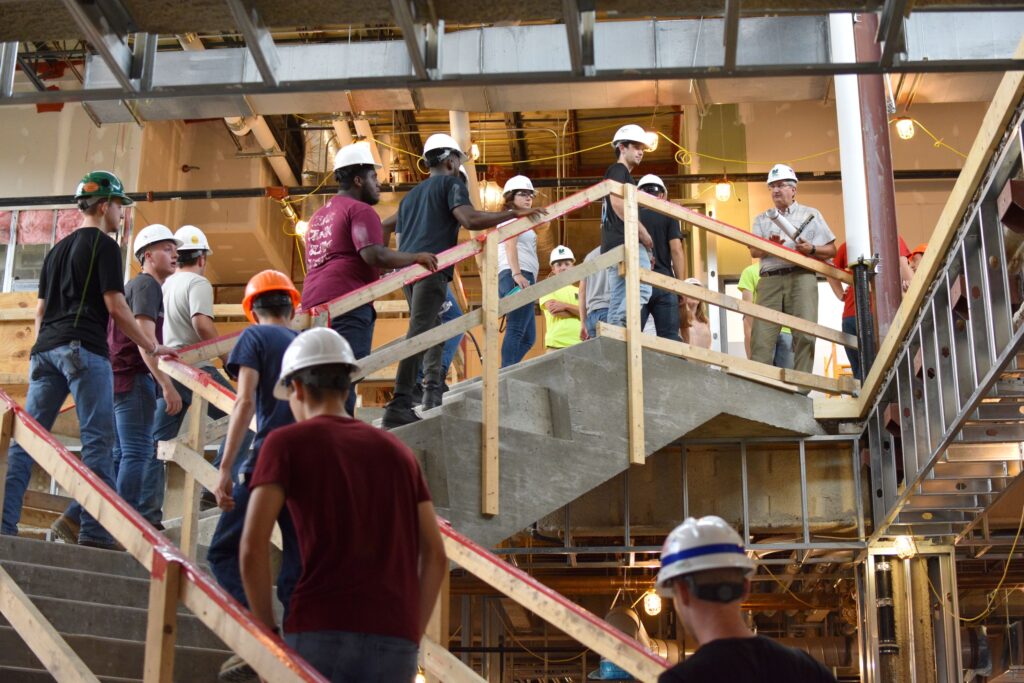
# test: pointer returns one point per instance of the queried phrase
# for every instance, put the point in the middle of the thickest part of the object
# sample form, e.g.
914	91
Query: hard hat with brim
151	234
102	185
651	179
561	253
192	239
781	172
920	249
356	154
516	183
312	348
699	545
630	133
267	281
443	141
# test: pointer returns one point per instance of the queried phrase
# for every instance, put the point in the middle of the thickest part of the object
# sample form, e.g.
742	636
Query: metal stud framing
945	430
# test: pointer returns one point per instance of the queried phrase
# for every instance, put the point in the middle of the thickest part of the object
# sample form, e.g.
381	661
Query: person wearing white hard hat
783	286
380	538
81	290
706	572
188	319
138	382
518	267
629	143
561	308
668	260
429	219
345	248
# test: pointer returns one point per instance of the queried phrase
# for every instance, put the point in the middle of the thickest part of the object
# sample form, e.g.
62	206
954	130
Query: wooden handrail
232	623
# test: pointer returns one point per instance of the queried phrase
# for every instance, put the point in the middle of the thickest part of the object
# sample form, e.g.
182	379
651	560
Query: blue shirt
261	347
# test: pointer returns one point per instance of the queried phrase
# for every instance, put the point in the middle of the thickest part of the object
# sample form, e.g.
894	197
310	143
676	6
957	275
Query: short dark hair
722	585
346	175
90	205
323	380
190	257
273	304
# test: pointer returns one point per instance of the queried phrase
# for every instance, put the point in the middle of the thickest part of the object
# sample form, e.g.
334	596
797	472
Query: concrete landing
563	429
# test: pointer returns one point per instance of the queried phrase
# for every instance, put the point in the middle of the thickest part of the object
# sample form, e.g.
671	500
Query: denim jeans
783	351
617	291
345	657
850	327
594	317
357	328
520	324
450	310
166	428
88	378
133	446
226	543
664	307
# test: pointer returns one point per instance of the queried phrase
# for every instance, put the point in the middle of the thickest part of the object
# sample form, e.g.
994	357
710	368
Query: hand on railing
164	352
425	259
533	214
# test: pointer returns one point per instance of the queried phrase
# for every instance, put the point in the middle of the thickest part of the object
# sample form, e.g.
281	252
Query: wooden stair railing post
6	429
489	466
162	620
191	491
634	346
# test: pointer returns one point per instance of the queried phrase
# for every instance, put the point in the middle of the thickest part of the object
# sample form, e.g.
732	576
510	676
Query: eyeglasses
523	193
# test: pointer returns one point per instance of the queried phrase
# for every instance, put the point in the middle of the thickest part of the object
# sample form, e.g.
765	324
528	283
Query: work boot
235	670
398	416
102	545
66	529
432	396
417	394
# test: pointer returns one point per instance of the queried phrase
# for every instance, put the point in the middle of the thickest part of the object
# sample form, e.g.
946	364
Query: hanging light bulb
420	678
474	151
652	140
301	228
723	190
652	603
905	127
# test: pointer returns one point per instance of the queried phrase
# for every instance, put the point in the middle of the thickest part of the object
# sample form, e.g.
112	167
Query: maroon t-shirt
352	491
145	297
337	232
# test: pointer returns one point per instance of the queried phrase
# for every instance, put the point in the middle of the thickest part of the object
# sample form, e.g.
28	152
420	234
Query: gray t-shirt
185	295
597	286
817	233
526	250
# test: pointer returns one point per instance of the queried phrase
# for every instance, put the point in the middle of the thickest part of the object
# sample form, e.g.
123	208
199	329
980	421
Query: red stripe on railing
534	584
167	550
201	377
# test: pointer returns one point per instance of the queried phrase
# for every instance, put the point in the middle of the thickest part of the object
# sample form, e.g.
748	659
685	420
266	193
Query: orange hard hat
920	249
268	281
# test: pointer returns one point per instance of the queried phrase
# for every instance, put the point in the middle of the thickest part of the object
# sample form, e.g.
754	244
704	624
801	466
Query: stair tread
18	674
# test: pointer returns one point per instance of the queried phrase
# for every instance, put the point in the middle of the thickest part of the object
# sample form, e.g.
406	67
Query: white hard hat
561	253
517	182
697	545
316	346
631	133
356	154
152	234
192	239
443	141
651	179
781	172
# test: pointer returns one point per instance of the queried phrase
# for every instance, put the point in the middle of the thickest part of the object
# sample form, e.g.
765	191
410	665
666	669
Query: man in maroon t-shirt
372	555
345	247
849	304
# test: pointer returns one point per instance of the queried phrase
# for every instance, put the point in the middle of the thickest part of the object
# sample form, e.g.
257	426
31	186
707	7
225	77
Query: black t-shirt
425	218
747	660
145	297
612	227
662	229
75	275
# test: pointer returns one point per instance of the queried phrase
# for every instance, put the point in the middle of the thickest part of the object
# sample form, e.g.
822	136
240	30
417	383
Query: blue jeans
617	291
449	311
133	446
520	324
664	306
850	327
345	657
166	428
227	540
594	317
88	378
784	351
357	329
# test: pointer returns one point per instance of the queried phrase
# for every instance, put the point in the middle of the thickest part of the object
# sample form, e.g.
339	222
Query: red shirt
337	232
352	491
849	304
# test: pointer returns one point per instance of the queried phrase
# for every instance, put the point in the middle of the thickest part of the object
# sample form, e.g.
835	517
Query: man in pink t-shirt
345	248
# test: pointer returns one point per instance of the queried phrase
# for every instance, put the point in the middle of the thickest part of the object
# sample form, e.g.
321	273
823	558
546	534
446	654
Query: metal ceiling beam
420	37
105	25
890	30
731	33
258	40
580	17
8	64
516	139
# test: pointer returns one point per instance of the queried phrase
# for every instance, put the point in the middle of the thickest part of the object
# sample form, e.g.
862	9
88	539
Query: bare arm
40	309
207	330
254	555
906	272
381	257
583	310
512	252
826	251
748	321
471	219
433	562
837	288
619	207
123	317
678	258
238	423
389	224
171	396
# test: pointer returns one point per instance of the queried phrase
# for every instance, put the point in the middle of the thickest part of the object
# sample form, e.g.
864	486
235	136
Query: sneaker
395	416
235	670
66	529
102	545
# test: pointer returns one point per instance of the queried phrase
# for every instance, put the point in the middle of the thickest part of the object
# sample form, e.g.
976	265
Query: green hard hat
102	185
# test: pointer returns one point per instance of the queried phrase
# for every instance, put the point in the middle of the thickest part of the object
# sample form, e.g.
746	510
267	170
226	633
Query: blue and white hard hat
697	545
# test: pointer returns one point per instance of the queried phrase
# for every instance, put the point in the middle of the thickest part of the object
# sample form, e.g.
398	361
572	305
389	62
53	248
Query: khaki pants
796	294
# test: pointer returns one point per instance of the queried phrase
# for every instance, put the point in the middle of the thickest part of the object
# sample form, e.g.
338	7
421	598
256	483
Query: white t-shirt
526	250
185	295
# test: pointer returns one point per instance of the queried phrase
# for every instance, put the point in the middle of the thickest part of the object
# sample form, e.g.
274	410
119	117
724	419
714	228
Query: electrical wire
510	634
937	142
786	588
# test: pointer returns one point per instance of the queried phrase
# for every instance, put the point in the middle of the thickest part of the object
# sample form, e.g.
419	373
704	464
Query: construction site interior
884	515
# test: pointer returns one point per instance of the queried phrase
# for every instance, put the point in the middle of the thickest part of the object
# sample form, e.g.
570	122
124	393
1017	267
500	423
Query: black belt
785	271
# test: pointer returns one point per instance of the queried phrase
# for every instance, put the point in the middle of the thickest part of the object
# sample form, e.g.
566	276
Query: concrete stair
97	600
563	429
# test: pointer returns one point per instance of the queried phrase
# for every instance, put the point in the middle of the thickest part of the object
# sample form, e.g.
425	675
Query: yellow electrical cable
786	588
937	142
530	652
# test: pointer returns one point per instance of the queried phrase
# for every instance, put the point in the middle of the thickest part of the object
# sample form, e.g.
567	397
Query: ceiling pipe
459	122
365	132
342	132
